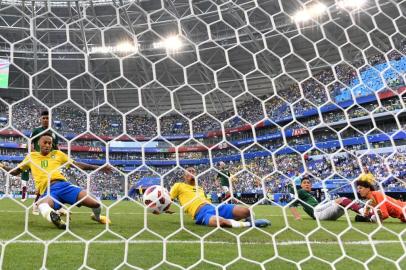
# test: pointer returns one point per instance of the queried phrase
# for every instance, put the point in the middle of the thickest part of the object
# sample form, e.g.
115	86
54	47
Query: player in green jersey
44	119
329	210
223	178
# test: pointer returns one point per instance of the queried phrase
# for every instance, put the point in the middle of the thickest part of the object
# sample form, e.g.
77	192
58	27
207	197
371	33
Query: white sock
45	211
239	224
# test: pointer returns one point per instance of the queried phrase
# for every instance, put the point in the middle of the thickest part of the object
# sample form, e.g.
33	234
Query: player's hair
49	134
365	184
304	178
45	113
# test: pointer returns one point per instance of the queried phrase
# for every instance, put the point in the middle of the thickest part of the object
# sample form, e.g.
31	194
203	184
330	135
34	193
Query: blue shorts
206	212
63	192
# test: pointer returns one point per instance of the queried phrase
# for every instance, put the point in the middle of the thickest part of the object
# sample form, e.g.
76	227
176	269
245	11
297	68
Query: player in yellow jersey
196	204
45	167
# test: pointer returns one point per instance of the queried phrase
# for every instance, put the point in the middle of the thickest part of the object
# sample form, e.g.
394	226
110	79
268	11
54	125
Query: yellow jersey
367	177
45	167
189	197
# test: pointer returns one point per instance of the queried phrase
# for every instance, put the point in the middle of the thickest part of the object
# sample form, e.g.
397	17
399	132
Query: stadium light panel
172	43
351	3
124	47
310	12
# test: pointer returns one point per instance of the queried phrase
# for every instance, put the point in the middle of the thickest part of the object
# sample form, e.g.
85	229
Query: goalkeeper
195	203
45	167
388	206
330	210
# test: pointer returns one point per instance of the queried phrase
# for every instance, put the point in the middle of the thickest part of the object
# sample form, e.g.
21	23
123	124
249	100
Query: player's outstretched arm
85	166
12	171
295	213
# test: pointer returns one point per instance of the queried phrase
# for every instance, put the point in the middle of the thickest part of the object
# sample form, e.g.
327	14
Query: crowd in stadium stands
319	135
112	125
293	101
72	120
106	125
13	139
141	125
13	152
88	155
249	177
249	114
105	186
25	115
90	143
204	124
174	125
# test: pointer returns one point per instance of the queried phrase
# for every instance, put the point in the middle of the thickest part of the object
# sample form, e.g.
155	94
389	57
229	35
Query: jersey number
44	163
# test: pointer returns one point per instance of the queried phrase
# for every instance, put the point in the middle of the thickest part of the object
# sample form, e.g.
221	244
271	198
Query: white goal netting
272	91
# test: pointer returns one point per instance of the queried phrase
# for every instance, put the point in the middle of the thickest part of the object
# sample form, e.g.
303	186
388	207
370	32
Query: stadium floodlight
351	3
310	12
124	47
171	43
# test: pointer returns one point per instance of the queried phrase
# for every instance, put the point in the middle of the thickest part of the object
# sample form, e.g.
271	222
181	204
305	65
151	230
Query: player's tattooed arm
12	171
85	166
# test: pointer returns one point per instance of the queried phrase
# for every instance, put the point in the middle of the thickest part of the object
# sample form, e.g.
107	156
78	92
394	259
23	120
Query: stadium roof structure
56	43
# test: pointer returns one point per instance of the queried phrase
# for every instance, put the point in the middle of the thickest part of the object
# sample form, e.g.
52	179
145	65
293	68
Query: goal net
281	107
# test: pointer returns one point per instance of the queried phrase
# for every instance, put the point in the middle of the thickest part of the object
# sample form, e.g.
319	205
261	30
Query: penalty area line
112	213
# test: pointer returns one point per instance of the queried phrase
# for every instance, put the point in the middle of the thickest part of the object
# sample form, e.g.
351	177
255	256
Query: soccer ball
157	198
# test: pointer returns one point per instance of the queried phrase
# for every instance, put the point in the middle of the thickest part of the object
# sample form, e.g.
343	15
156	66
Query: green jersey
224	176
307	200
35	140
25	175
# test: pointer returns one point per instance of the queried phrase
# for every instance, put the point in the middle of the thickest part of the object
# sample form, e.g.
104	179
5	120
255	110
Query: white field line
281	243
112	213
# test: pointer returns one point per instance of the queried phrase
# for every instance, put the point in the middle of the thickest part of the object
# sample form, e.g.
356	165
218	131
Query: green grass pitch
278	247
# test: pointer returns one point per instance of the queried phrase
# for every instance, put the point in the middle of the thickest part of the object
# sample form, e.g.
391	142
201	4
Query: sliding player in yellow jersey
55	190
196	204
